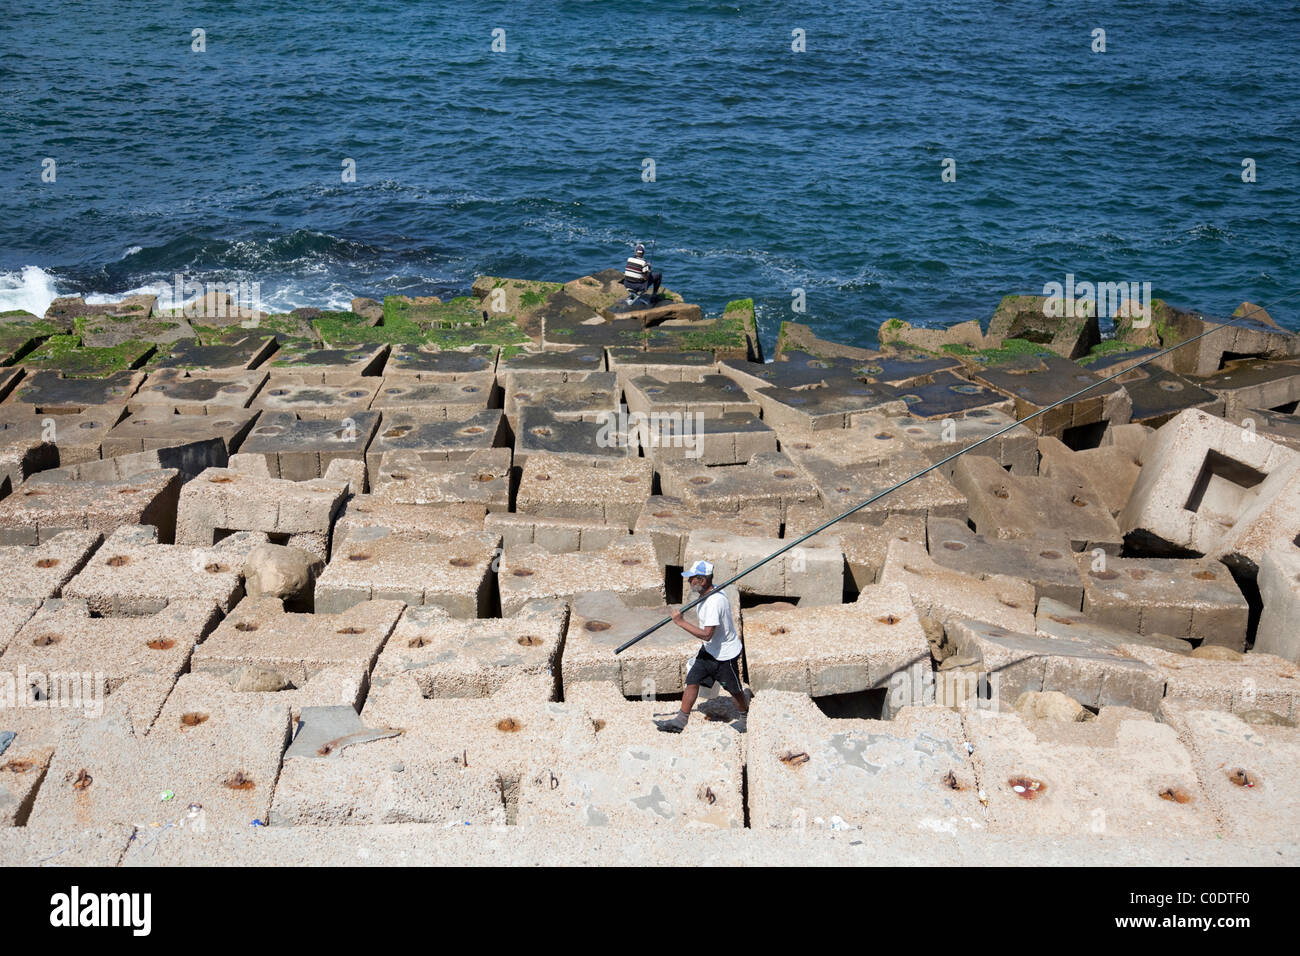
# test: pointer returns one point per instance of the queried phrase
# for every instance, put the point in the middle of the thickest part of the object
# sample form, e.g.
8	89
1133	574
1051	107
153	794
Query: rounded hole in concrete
884	436
1242	777
1104	575
778	630
1137	574
234	388
914	430
222	424
1078	501
701	480
950	781
473	430
630	561
239	781
1001	493
1050	555
19	766
193	719
528	640
351	630
628	479
393	391
45	640
1027	788
541	431
397	432
127	491
783	474
355	394
793	759
597	625
842	489
161	644
416	642
597	724
1010	604
1172	386
508	725
358	556
221	480
542	477
889	619
47	562
399	476
522	573
215	568
279	391
1206	575
91	425
82	780
117	560
268	430
459	563
966	389
803	445
246	626
1175	795
954	546
471	389
1061	620
662	514
33	493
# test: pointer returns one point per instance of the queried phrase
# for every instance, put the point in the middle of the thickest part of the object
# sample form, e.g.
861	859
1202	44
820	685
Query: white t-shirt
715	611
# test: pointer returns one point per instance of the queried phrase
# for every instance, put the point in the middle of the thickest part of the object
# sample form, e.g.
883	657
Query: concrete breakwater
270	577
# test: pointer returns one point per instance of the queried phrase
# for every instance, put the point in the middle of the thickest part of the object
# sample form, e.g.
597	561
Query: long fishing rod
938	464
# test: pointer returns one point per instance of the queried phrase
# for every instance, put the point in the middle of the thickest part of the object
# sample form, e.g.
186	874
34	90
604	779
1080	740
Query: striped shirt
637	268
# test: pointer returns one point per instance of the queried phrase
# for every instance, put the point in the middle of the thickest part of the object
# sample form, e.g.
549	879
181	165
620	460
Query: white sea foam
32	290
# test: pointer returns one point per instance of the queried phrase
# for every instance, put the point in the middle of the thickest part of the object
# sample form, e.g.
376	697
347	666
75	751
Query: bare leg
691	692
742	704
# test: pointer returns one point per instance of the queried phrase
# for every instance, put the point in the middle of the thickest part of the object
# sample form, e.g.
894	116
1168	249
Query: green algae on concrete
345	329
20	332
66	354
1108	347
1010	350
501	330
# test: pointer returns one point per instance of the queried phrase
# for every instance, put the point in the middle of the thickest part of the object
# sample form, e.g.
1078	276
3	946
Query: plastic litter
257	823
166	795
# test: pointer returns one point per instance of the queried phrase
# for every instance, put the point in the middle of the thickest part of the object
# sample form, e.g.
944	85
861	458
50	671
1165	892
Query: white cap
699	567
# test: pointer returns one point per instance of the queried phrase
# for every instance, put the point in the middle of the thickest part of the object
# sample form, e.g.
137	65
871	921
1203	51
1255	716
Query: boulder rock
1051	705
280	571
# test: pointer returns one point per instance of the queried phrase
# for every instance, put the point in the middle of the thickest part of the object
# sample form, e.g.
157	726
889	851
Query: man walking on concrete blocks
719	658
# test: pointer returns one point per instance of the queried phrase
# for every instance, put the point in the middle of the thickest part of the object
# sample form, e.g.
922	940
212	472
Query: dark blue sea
774	170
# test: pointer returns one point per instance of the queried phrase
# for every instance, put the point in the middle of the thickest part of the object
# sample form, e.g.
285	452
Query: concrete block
1246	682
38	510
287	392
1122	773
611	490
429	365
1194	599
49	393
942	595
310	365
296	513
1205	486
1018	662
31	442
1246	771
13	616
711	395
592	398
132	574
629	363
1158	394
667	523
31	573
22	769
635	777
811	574
1046	561
158	428
376	564
1037	381
434	441
456	658
1012	506
655	666
408	520
840	649
235	351
436	401
630	570
1111	470
482	480
767	481
809	771
943	396
185	392
557	535
833	405
538	431
1279	588
259	633
729	439
1054	619
301	450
